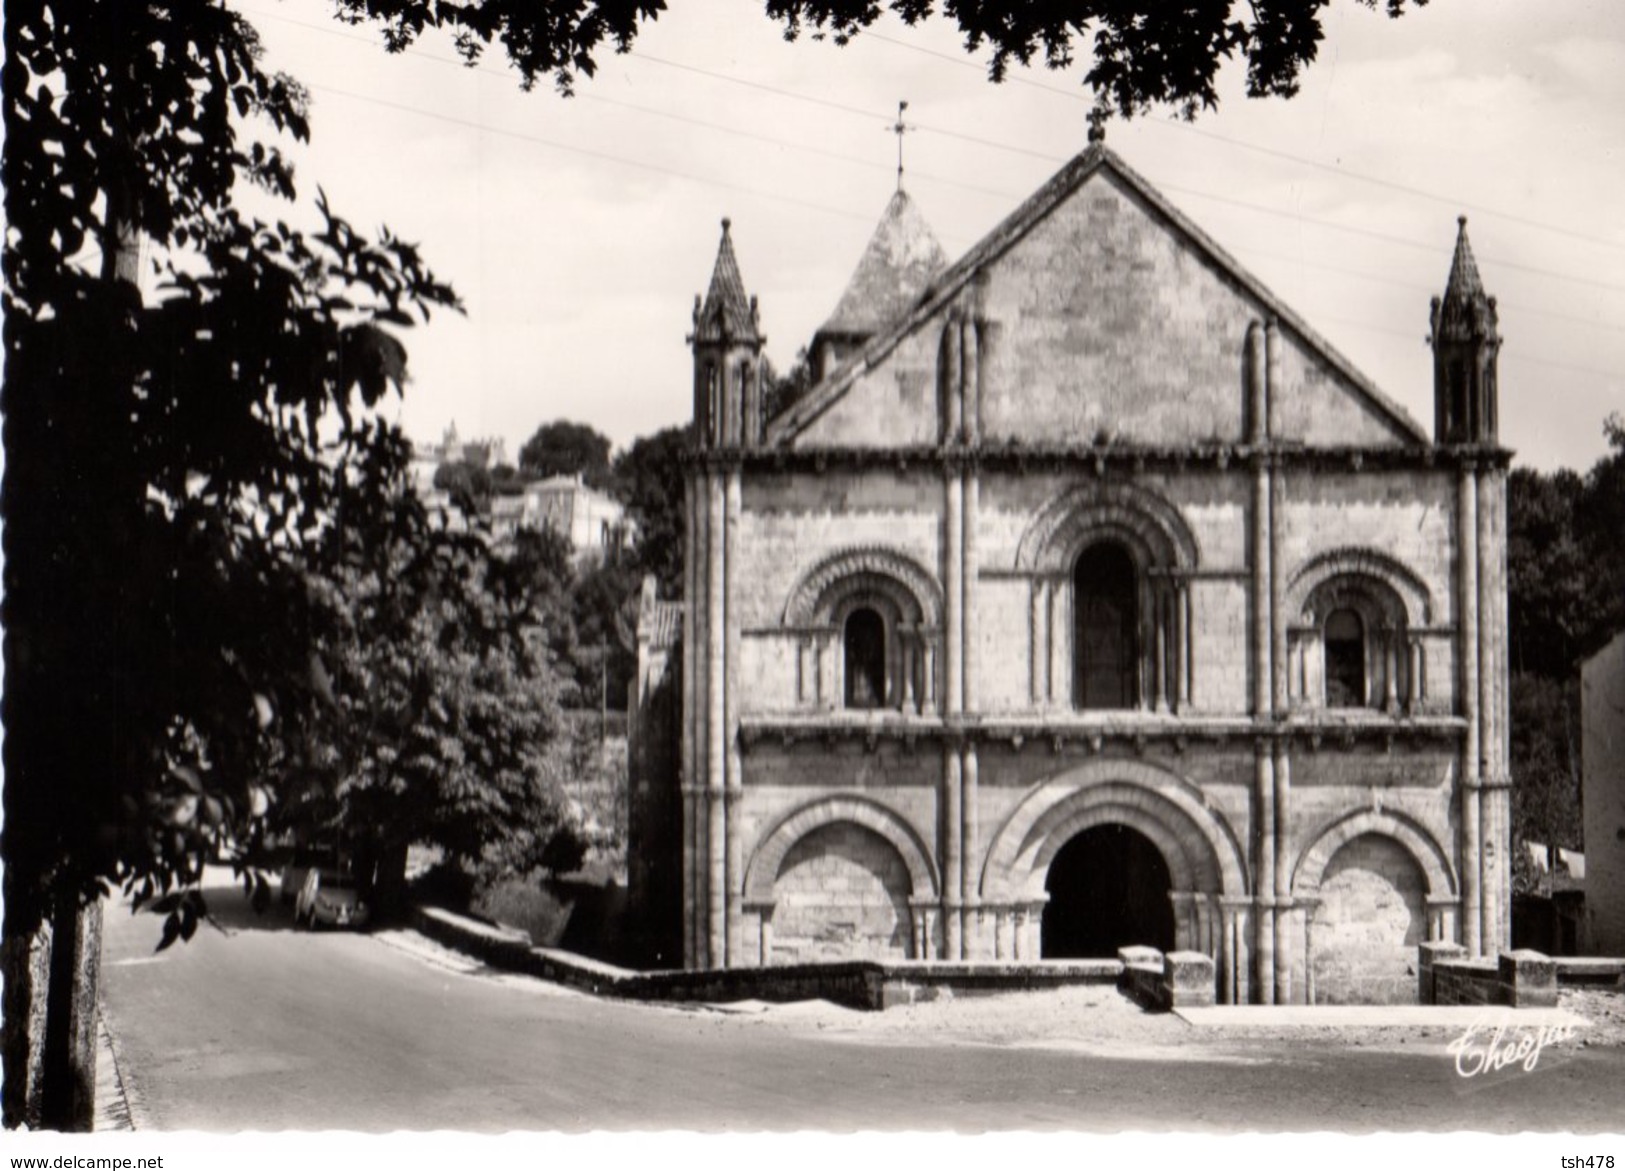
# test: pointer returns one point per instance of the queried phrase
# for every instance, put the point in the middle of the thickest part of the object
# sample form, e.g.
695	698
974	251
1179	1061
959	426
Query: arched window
1106	593
865	644
1345	659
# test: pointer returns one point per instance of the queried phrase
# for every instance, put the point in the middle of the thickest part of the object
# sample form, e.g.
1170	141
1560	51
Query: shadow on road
231	911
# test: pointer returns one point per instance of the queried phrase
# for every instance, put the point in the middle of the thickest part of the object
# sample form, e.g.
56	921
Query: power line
596	154
1273	152
1431	247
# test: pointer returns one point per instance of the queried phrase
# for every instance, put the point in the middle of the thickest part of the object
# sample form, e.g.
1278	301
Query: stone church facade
1090	598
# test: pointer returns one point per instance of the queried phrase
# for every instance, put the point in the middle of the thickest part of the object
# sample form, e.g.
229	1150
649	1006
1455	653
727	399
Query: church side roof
1015	226
726	313
900	260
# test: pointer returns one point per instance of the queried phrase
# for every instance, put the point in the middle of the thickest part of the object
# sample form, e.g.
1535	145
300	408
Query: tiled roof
727	312
901	258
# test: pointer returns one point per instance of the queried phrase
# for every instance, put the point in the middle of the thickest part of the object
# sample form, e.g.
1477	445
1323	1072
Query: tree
170	463
1565	598
563	448
470	485
439	721
649	481
1144	51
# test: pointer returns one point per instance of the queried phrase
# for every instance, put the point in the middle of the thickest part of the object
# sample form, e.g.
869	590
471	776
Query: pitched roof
1013	228
727	313
901	258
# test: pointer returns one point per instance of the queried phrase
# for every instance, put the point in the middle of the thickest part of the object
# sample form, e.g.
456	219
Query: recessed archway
1108	888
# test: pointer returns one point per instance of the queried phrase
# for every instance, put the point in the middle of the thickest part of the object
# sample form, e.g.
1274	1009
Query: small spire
1464	281
725	313
900	128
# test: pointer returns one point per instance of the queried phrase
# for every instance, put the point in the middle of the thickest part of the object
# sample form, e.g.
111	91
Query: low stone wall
1517	979
865	985
1179	979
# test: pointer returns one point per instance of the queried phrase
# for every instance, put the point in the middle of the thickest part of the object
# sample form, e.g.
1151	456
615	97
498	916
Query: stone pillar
1467	651
929	674
716	730
1390	671
829	670
1039	653
1182	649
734	778
1489	765
1309	906
1264	867
954	630
1161	651
954	386
909	641
690	774
1283	873
1261	655
968	582
970	373
1413	680
1060	642
969	846
952	828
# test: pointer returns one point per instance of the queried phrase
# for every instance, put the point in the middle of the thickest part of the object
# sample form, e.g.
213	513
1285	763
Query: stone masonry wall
1371	917
842	893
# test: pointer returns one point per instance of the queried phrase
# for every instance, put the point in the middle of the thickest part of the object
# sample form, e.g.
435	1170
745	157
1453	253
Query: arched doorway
842	893
1108	888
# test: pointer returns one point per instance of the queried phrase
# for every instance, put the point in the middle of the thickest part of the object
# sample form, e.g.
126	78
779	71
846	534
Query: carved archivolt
1148	525
1417	841
1352	576
845	807
820	593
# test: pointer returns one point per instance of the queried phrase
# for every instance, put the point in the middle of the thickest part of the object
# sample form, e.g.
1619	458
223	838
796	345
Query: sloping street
258	1026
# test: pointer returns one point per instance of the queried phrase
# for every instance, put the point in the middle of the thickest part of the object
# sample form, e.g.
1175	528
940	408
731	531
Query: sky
578	230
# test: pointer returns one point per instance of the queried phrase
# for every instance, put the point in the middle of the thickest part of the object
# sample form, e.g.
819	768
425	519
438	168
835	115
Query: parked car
329	897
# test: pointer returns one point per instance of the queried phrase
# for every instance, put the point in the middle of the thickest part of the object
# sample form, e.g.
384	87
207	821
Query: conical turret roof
899	262
727	313
1464	282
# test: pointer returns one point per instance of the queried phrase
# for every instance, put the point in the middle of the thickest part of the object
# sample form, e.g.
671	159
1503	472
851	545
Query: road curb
118	1104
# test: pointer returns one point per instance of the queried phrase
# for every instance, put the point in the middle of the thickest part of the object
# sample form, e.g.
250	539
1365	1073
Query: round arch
1149	525
768	857
876	571
1417	841
1201	851
1401	593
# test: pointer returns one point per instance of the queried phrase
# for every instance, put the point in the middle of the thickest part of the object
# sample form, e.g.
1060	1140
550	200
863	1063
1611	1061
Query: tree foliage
171	458
563	448
441	711
649	481
1565	598
1144	52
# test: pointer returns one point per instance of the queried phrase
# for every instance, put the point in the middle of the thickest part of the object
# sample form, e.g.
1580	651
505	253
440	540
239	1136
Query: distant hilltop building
594	522
452	449
1089	598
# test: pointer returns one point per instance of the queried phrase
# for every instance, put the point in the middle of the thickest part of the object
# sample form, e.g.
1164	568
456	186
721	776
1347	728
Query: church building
1089	598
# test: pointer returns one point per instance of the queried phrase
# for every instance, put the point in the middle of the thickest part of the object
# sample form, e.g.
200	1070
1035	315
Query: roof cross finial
1097	125
900	128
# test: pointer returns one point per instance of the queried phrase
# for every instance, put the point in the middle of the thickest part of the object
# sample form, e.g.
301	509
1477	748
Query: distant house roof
897	266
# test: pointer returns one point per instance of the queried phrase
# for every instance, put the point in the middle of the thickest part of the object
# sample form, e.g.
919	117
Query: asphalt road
258	1026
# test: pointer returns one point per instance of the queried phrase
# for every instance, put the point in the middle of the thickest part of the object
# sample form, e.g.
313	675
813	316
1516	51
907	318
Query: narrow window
1106	673
1345	659
865	659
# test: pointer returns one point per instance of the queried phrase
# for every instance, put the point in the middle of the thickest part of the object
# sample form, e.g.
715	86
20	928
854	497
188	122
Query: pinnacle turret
1465	344
727	313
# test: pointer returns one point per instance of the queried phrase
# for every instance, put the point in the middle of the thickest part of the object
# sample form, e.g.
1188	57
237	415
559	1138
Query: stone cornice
1116	458
1082	733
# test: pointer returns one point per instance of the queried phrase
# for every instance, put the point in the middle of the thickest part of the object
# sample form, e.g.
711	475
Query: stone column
716	731
1060	642
1283	873
1039	653
1264	867
1182	657
954	630
1309	907
1160	649
907	641
1489	765
829	670
1390	671
1467	651
1413	681
929	673
969	846
733	790
690	774
952	828
968	583
970	368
